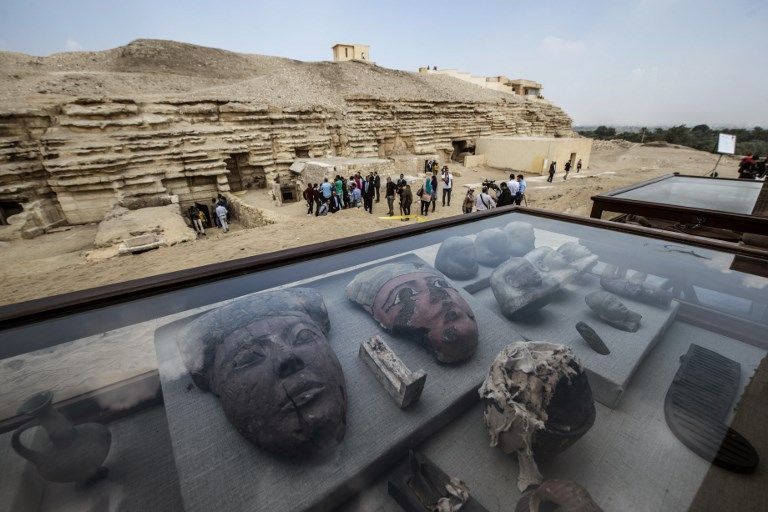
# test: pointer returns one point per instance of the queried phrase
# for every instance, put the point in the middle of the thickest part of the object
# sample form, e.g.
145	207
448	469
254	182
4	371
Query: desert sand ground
56	263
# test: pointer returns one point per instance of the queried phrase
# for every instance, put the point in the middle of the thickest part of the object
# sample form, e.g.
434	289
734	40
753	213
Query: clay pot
72	453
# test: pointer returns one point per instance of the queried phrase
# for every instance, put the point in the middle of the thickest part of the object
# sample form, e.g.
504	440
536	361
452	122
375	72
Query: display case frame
56	308
20	317
700	216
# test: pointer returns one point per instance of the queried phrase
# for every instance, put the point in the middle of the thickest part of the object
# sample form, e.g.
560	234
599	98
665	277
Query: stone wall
248	216
81	158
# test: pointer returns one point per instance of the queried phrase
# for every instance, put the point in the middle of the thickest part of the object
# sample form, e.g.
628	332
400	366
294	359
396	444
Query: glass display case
511	358
720	208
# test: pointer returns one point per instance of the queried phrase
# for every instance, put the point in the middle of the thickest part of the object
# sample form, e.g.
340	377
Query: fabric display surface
220	469
609	374
628	460
697	405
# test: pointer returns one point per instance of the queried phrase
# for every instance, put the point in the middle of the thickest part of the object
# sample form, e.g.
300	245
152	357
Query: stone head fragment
578	256
634	287
491	246
416	301
520	289
267	358
611	310
520	238
551	263
456	258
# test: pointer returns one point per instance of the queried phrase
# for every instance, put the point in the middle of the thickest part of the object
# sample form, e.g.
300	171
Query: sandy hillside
56	263
167	69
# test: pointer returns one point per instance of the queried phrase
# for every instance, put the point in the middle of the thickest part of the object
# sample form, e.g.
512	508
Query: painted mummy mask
417	302
268	360
578	256
612	311
456	258
520	289
520	238
537	402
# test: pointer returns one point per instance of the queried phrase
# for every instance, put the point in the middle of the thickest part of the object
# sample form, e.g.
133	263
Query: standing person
318	198
309	197
344	193
551	171
425	194
359	181
325	189
356	195
221	213
214	205
484	201
401	182
513	186
377	184
338	184
505	197
194	215
469	201
389	194
368	194
406	198
223	202
567	168
578	166
447	185
335	204
434	191
522	185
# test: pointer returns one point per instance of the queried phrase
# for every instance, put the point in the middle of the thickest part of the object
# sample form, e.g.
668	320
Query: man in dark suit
377	184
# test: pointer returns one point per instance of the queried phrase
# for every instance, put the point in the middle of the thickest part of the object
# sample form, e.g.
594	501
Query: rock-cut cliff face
126	127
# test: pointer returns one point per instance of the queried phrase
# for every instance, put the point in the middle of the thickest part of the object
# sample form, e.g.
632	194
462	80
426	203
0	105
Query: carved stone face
551	263
521	238
420	304
268	360
456	258
492	247
578	256
281	385
609	308
520	289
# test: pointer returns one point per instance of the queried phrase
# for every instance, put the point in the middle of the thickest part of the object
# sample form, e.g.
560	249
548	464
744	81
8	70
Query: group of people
751	167
509	192
333	196
567	168
198	214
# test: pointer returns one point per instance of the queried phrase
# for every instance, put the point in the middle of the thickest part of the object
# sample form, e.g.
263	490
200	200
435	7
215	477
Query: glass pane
709	194
246	375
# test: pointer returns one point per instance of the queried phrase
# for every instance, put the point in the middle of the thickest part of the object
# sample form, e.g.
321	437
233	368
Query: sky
613	62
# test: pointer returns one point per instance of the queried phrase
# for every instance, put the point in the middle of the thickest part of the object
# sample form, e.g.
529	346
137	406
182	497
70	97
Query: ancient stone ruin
157	122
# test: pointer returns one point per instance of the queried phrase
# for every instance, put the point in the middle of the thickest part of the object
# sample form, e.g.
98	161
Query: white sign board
726	144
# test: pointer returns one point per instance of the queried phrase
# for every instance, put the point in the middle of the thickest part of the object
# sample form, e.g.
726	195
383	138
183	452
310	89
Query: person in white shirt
447	185
484	201
221	213
513	185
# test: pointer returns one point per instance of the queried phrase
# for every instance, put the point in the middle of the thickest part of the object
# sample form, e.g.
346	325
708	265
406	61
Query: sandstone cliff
81	132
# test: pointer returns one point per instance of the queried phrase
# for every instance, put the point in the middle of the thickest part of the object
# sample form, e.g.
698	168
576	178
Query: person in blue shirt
357	196
325	189
522	185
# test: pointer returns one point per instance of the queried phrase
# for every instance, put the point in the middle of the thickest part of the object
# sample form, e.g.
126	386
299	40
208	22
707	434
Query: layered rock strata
73	159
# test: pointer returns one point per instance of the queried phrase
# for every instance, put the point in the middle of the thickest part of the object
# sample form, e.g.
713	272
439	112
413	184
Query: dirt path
55	263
